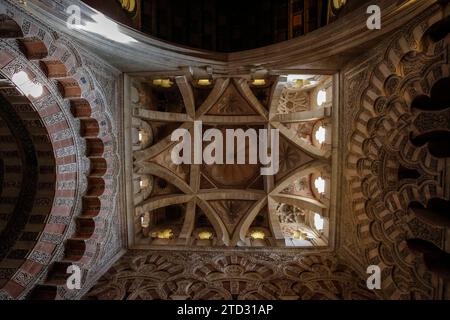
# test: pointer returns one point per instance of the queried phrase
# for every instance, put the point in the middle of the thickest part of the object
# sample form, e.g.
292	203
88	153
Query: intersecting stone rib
218	225
166	174
300	202
244	89
231	194
194	180
303	116
219	88
154	150
159	116
275	95
245	223
187	94
301	171
189	223
163	201
233	120
307	148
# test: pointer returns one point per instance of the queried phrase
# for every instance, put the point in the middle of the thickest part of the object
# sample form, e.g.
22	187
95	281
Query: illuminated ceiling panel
231	205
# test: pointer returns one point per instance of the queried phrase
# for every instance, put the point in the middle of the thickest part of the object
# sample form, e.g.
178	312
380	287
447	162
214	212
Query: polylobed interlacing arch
386	170
227	276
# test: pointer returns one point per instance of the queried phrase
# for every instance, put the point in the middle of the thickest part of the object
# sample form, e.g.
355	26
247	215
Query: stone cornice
328	47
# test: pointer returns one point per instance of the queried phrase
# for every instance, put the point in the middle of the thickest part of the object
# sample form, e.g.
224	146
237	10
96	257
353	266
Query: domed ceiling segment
18	162
27	177
224	204
229	205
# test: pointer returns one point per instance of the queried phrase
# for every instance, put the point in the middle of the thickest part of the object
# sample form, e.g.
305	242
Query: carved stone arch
66	52
242	229
306	169
387	68
219	88
54	120
219	227
166	174
407	69
78	82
